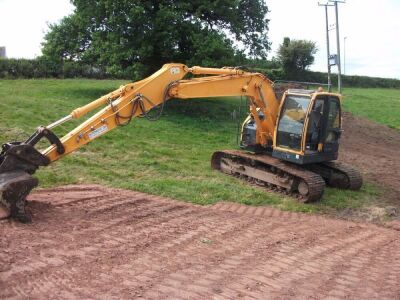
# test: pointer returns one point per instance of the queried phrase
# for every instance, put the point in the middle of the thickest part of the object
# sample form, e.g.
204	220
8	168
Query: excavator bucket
18	161
14	187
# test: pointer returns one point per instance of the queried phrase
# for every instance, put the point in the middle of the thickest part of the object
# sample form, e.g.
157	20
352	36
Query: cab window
315	124
291	122
334	115
333	121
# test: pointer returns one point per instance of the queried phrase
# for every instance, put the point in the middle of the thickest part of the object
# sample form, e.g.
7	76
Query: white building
2	52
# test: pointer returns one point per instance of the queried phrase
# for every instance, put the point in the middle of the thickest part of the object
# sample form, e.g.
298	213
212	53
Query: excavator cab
308	127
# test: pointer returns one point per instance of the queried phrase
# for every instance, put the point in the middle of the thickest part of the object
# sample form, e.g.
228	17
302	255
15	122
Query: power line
327	44
333	59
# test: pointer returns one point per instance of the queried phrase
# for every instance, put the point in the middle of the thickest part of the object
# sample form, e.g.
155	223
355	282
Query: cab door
324	125
333	126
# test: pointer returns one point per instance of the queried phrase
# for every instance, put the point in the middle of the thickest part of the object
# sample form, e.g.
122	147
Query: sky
371	28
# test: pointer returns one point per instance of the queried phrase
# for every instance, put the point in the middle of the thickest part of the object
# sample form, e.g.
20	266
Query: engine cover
248	138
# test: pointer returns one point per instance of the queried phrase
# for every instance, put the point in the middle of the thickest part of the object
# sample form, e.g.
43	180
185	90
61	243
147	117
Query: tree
138	36
296	55
66	41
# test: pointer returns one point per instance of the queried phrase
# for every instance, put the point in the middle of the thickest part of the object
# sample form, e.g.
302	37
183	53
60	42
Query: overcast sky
372	29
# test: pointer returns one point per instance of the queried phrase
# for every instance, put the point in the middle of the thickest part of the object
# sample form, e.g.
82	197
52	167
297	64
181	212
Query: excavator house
288	145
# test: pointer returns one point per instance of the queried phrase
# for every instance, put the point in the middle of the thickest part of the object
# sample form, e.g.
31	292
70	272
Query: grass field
379	105
170	157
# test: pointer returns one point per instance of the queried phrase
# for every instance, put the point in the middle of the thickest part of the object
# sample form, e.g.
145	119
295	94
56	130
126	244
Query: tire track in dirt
246	263
321	264
189	214
218	261
94	242
106	242
187	247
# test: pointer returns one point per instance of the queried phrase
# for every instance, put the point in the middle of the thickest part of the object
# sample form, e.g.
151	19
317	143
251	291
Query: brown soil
374	149
94	242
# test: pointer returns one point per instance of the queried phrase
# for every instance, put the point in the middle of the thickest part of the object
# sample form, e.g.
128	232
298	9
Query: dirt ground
374	149
93	242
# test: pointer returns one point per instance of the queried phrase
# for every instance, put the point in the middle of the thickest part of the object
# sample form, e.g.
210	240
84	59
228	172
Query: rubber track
354	176
315	182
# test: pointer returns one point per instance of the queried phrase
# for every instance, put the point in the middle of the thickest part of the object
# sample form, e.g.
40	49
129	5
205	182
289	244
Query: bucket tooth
4	212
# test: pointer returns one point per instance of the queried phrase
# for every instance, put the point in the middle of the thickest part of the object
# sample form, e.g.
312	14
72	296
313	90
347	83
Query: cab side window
315	125
333	121
334	115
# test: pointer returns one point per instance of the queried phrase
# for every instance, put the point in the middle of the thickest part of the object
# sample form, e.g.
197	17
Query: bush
44	68
321	77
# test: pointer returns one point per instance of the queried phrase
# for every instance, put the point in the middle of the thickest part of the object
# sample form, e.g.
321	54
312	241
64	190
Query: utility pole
338	43
327	44
2	52
344	55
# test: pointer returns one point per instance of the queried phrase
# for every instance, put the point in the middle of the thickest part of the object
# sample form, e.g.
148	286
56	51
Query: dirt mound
374	149
93	242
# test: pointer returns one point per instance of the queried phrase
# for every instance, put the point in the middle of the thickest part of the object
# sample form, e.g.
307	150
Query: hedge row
42	68
321	77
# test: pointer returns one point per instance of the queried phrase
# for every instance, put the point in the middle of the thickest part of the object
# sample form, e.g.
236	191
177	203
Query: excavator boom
137	99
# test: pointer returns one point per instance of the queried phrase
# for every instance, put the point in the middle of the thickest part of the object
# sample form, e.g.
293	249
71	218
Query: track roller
270	173
338	175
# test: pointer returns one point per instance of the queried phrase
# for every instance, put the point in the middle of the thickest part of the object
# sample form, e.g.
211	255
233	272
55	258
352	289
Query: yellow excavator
288	145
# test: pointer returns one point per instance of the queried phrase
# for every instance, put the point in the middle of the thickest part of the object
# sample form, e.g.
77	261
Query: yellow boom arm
137	98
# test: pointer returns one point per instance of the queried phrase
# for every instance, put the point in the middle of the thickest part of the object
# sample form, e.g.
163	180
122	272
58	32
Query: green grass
379	105
170	157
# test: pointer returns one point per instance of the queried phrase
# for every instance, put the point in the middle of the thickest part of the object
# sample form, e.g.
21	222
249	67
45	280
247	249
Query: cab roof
301	91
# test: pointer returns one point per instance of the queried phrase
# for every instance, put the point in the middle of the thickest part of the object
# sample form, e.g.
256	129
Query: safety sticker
175	70
95	133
